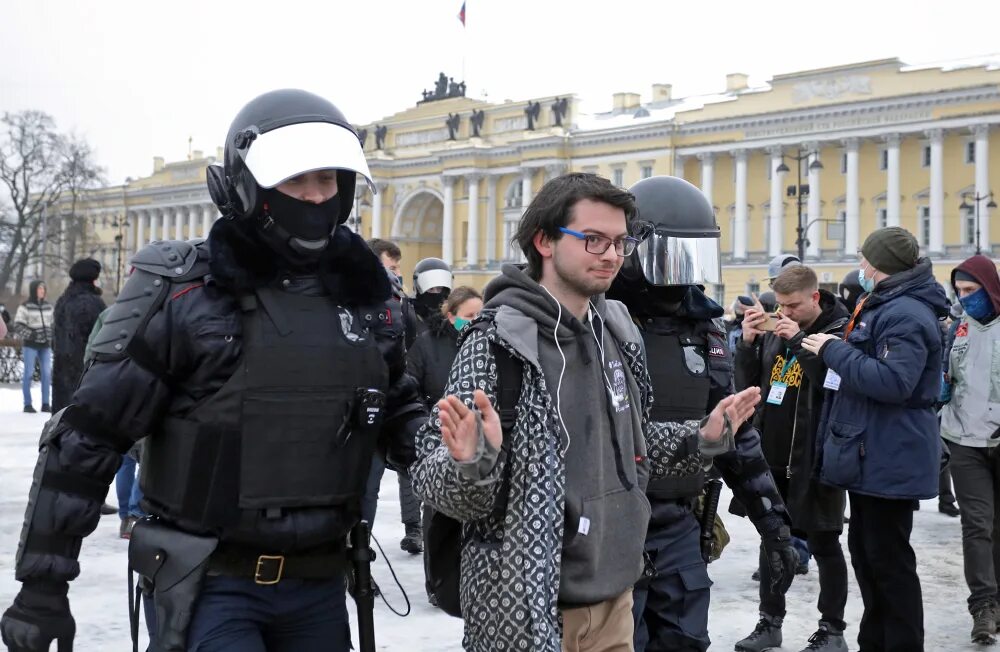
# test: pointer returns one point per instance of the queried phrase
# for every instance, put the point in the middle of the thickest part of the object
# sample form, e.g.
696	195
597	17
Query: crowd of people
560	439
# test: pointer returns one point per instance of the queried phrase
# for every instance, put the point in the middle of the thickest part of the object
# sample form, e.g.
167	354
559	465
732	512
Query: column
936	235
208	213
775	241
179	213
448	221
892	193
165	222
491	218
193	220
472	242
527	174
740	226
678	166
707	174
129	245
982	133
813	234
853	207
377	209
140	218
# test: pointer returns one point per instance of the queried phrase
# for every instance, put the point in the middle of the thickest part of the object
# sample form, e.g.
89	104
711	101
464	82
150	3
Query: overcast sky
138	78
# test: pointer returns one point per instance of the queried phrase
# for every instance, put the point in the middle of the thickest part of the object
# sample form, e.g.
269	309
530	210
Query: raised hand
459	430
738	407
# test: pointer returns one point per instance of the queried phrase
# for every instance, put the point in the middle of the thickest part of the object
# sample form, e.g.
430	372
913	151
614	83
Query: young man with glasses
554	518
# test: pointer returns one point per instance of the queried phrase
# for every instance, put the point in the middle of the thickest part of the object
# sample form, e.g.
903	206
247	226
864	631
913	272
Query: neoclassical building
840	151
837	151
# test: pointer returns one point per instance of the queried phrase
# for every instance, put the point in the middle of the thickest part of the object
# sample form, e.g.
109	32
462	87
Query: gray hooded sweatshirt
606	512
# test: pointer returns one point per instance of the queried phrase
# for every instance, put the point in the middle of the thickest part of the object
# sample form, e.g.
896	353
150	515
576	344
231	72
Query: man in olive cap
879	435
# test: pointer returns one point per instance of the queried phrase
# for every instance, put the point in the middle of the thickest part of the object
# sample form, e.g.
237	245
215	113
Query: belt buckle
265	559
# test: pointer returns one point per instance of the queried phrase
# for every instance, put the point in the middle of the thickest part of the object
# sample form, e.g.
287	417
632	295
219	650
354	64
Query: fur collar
348	269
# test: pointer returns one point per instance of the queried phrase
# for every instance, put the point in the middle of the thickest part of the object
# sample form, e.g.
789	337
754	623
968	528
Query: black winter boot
826	639
765	636
413	542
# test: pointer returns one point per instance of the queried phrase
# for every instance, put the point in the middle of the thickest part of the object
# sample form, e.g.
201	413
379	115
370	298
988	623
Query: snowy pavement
99	602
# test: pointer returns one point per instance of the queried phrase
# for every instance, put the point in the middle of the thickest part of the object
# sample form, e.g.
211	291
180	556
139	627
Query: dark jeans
825	547
977	482
409	506
233	614
671	609
127	488
886	569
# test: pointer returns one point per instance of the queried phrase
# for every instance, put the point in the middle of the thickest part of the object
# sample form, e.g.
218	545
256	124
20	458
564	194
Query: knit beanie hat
891	250
86	270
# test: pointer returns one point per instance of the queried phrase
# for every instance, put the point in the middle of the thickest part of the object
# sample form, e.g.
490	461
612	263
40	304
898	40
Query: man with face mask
970	426
878	438
266	369
432	282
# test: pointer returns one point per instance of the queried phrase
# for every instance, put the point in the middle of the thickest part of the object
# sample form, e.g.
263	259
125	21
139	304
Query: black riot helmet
680	242
284	133
850	290
432	283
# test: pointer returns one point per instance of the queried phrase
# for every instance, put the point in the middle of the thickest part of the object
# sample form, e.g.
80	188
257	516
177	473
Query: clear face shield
679	260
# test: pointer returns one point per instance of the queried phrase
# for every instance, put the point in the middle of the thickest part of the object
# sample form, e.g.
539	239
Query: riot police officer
432	283
266	370
691	369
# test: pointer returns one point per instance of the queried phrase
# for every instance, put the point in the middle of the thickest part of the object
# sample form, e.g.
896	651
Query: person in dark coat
791	379
75	314
429	362
878	437
430	359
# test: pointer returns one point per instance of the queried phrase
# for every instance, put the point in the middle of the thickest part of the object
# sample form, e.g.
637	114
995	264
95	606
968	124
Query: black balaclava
428	303
298	231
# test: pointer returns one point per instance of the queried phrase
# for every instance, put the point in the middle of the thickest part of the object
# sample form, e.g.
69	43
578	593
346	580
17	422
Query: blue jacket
879	432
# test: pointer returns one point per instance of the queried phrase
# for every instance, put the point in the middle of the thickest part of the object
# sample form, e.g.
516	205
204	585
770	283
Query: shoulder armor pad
719	325
157	267
176	260
140	297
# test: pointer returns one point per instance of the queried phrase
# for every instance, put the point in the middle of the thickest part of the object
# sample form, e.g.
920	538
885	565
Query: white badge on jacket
832	380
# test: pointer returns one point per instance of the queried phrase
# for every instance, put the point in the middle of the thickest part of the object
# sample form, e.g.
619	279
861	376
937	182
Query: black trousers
977	483
886	569
825	547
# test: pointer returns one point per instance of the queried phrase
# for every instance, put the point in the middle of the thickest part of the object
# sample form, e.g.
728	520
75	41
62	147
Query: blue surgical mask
460	323
977	305
867	284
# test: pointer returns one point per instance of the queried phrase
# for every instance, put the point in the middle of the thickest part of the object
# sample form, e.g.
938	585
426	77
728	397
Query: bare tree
37	166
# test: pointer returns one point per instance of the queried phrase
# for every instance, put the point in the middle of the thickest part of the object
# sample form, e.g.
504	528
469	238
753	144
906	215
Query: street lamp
798	190
119	224
977	198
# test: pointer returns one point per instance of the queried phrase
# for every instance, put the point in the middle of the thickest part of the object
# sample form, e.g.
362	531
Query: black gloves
39	615
781	558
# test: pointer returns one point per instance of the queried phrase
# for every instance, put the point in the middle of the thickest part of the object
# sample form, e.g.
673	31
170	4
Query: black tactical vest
295	427
679	372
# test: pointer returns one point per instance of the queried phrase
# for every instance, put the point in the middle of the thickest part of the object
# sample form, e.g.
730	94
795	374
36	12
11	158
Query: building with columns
837	152
840	151
114	222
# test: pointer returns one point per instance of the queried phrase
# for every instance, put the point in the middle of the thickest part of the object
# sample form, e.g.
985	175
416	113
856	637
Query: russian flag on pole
461	14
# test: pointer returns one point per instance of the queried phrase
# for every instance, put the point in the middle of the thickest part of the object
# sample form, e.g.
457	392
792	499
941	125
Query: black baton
361	556
713	490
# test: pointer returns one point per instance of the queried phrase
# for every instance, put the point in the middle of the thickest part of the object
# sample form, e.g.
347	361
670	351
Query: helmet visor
433	278
674	260
278	155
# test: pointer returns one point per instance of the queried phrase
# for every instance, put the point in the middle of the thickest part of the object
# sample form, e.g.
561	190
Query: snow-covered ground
98	596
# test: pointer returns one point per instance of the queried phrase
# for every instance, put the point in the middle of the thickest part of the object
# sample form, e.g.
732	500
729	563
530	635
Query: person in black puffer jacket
429	361
75	314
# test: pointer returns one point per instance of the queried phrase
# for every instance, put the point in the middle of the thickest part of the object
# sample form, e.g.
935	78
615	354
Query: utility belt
266	569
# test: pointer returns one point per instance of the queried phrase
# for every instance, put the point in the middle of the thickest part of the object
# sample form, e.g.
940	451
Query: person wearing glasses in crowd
553	568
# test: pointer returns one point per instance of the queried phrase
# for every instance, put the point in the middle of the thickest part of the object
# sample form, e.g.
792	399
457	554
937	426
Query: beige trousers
603	627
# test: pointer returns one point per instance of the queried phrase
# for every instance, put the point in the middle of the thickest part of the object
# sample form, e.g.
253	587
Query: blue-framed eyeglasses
598	244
